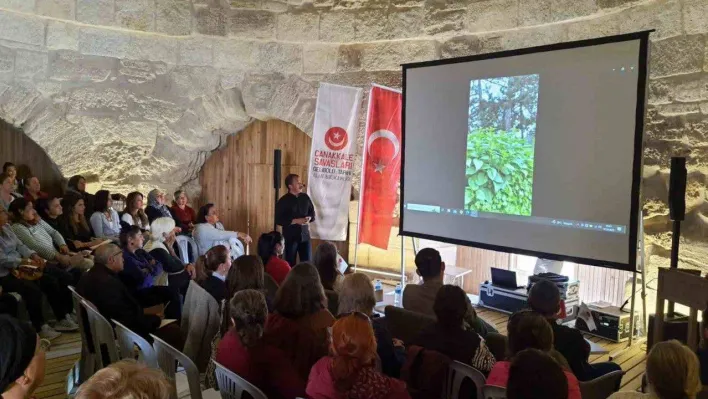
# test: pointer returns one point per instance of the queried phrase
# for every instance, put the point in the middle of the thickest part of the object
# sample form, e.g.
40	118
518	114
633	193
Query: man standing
294	211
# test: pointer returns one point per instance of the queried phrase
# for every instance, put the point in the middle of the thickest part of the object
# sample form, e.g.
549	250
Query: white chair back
233	386
128	340
457	374
101	335
493	392
167	358
87	362
183	245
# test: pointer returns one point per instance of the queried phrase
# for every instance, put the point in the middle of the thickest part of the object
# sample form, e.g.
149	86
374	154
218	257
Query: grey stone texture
147	89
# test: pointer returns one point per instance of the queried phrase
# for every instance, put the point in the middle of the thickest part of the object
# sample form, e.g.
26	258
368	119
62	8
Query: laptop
504	278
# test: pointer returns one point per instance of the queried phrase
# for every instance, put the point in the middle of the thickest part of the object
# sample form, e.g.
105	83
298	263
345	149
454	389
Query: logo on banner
336	138
380	160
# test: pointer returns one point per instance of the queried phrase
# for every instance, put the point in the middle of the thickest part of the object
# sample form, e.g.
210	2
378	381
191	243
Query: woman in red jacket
243	351
350	370
185	217
270	249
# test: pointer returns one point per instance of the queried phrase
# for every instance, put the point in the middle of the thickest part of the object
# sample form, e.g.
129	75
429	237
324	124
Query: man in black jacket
294	211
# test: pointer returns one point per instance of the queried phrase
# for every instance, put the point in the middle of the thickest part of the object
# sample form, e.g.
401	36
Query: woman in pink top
270	250
529	330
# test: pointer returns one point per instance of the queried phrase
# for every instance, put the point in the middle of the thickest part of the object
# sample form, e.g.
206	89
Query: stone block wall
137	93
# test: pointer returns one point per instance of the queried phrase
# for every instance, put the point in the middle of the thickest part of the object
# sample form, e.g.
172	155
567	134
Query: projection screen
534	151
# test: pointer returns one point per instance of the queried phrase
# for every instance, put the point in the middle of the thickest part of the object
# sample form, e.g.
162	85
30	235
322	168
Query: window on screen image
500	144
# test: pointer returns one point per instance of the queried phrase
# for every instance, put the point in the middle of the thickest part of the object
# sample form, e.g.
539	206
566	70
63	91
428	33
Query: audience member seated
104	221
300	321
8	303
356	294
529	330
246	273
270	249
209	232
544	298
161	247
672	373
534	374
22	359
77	186
325	260
140	273
156	206
184	215
14	257
244	351
74	227
212	269
7	193
448	335
33	190
50	210
349	372
102	287
10	169
126	379
133	213
421	297
40	237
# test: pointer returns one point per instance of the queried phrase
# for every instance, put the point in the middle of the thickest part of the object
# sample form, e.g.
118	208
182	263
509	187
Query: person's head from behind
246	273
103	201
33	185
325	260
429	264
356	294
23	212
270	244
450	307
534	374
181	199
301	293
7	183
111	256
49	208
208	214
248	312
77	183
132	238
161	229
527	329
22	359
352	348
673	371
216	260
544	298
293	184
126	379
10	169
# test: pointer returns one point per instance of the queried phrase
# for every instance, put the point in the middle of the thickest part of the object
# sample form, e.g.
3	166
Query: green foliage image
499	173
500	144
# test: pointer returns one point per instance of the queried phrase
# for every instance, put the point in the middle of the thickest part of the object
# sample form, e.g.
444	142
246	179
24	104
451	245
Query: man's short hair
289	179
535	375
104	252
428	262
450	306
544	298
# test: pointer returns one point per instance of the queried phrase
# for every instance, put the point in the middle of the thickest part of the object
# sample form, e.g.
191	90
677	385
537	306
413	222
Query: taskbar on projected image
574	224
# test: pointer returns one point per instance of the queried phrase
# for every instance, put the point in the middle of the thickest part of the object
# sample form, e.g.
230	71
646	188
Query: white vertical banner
332	159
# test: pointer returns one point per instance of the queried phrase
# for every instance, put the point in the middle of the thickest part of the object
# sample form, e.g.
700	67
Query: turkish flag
381	166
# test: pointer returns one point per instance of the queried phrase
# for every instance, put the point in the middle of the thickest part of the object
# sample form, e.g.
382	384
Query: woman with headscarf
156	206
77	186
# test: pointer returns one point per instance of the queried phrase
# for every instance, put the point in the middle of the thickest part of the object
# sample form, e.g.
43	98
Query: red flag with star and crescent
381	166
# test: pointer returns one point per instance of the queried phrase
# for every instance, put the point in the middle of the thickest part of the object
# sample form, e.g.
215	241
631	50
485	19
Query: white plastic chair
493	392
457	374
128	340
101	335
86	365
183	245
233	386
167	358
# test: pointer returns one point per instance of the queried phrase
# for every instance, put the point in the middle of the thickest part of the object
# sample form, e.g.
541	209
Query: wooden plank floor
632	361
65	351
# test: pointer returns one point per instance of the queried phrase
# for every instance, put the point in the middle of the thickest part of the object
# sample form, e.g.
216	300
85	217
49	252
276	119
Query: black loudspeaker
277	158
677	188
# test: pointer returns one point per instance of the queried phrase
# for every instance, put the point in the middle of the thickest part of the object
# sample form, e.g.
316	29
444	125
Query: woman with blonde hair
243	350
126	379
672	373
356	294
350	369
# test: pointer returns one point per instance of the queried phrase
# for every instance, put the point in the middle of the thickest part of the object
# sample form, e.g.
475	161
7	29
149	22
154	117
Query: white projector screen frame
632	229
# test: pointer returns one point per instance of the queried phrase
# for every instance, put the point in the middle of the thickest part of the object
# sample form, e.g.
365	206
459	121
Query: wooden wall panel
239	177
30	158
480	261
